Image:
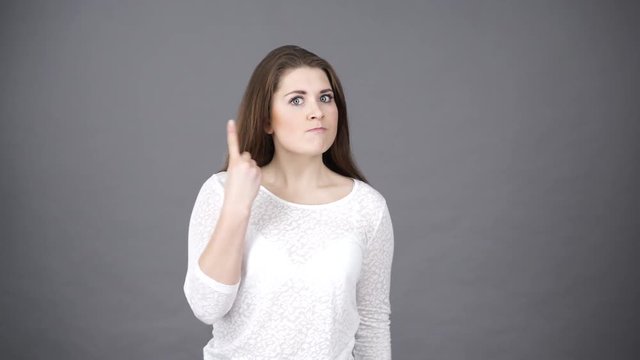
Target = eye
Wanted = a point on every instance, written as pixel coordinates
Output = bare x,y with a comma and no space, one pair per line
328,98
296,100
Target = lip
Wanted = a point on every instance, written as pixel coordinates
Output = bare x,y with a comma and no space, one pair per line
318,129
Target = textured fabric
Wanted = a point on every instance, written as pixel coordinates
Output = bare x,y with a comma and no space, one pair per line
315,278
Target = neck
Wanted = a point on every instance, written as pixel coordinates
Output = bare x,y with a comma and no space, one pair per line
296,172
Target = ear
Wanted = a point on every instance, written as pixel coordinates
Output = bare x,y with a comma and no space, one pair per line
268,129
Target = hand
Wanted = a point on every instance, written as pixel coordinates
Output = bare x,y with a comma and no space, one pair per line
243,174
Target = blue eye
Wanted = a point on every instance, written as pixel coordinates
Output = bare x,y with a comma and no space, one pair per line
292,101
329,98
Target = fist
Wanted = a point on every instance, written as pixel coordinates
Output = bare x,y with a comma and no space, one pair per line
243,174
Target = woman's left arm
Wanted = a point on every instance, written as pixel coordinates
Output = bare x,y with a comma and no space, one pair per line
373,338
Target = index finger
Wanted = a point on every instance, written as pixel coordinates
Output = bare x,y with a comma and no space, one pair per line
232,139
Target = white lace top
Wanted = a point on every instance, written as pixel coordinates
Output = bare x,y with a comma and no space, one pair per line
314,283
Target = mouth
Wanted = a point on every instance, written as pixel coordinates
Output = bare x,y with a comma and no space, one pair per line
318,129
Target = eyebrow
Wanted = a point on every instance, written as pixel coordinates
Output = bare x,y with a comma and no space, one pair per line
305,93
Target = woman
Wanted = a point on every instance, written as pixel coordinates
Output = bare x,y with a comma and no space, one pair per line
290,249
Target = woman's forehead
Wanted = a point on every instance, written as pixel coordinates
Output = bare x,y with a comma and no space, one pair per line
304,78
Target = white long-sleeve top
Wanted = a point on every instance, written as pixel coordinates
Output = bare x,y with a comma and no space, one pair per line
315,278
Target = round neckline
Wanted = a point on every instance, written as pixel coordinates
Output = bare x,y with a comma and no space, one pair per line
313,206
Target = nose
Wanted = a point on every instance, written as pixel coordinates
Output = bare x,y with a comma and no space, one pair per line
315,112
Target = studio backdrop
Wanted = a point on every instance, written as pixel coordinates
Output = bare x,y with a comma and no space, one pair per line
503,134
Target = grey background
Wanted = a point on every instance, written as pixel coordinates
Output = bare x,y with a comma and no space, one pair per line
503,134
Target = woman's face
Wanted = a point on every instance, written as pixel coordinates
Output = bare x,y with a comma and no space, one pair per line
303,101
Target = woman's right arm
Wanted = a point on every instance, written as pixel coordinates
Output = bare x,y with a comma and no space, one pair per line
215,246
217,230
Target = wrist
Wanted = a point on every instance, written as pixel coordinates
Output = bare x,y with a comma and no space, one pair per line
236,209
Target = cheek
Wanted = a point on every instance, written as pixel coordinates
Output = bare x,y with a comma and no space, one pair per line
284,125
332,115
280,119
330,112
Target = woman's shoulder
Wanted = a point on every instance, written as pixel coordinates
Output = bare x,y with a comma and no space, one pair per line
369,194
215,181
372,207
219,176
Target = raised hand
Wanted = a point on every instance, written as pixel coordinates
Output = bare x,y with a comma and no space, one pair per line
243,174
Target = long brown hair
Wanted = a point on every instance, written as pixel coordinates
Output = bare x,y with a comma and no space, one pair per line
254,113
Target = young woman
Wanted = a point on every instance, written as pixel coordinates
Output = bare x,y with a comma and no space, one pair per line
290,249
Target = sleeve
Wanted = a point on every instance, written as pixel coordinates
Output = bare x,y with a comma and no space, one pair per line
209,299
373,337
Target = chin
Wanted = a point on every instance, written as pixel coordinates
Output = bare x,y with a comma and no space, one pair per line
316,150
